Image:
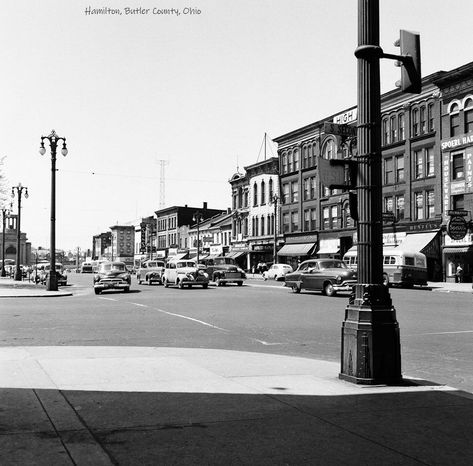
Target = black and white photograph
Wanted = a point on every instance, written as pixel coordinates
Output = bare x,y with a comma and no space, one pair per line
236,232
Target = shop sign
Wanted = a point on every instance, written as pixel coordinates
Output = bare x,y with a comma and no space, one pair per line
469,169
457,228
457,187
446,183
466,241
457,142
393,239
216,249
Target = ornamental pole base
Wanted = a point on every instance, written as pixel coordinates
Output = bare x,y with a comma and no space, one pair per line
51,283
371,348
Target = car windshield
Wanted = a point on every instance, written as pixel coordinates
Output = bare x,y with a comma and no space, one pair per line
181,265
333,264
117,267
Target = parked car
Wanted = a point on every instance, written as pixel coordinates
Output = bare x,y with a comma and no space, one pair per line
42,274
326,275
223,270
277,272
150,271
112,276
185,273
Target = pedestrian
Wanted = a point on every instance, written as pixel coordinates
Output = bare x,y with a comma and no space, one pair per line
459,274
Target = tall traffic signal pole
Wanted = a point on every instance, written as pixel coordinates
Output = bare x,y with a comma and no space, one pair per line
371,350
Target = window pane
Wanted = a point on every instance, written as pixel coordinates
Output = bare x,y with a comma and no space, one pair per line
457,167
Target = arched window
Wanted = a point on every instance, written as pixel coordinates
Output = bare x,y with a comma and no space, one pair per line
10,250
284,163
423,122
385,132
468,109
454,120
430,117
393,128
296,159
271,189
263,193
240,197
255,194
289,162
415,122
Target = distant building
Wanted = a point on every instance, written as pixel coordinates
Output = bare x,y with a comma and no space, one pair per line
10,236
123,239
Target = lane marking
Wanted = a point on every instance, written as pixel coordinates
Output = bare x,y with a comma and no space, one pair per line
266,343
440,333
107,299
138,304
192,319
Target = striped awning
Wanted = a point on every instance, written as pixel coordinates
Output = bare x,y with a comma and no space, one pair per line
302,249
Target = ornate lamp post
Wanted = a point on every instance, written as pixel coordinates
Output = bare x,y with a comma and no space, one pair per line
19,190
274,199
53,138
5,214
198,218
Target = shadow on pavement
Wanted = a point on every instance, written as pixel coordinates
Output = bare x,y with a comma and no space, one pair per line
80,427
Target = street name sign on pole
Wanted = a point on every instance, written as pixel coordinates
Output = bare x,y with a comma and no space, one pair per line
339,130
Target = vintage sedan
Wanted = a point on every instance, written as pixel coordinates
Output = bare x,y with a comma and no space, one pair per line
112,276
42,274
185,273
326,275
277,272
150,271
223,270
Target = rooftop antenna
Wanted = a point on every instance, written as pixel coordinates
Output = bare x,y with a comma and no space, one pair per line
162,183
263,143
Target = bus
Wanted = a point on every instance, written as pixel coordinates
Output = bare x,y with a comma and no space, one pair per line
86,267
400,267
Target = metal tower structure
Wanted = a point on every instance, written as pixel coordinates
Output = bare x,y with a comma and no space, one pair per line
162,182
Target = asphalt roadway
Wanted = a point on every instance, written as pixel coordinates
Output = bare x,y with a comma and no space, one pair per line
197,406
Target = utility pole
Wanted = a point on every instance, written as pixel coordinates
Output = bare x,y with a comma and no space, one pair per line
371,351
162,183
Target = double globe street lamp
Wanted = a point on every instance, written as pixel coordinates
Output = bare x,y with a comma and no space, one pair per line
19,191
53,138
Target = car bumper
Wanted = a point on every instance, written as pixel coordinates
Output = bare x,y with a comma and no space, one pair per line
344,286
111,285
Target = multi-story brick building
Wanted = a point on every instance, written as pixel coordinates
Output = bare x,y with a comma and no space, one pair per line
427,170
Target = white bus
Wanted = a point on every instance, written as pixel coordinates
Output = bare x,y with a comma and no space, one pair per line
401,268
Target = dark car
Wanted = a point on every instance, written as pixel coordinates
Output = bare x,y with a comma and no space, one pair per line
151,271
43,274
223,270
326,275
112,276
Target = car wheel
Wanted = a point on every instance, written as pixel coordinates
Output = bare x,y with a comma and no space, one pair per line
329,290
165,283
296,288
97,291
139,280
205,286
240,283
385,280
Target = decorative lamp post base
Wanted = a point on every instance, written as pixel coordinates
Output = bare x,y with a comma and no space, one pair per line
371,348
51,283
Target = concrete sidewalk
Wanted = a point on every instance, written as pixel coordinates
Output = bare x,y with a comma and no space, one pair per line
10,288
188,406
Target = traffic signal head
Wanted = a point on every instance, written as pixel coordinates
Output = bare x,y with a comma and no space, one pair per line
411,78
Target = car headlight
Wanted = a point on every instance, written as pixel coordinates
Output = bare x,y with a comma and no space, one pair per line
339,280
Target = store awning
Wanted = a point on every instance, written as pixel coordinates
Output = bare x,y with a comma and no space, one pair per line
329,246
177,257
302,249
236,254
417,242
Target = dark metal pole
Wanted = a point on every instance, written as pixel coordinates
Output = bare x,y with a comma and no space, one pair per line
198,240
370,333
4,221
18,274
51,284
275,247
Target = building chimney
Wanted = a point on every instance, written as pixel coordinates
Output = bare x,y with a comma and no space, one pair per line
205,206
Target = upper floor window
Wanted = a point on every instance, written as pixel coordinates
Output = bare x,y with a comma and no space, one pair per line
330,149
399,207
263,193
429,161
294,191
294,221
389,171
296,160
284,163
454,120
423,121
430,117
401,124
289,162
393,128
458,171
415,122
285,193
458,202
468,109
271,189
386,135
255,194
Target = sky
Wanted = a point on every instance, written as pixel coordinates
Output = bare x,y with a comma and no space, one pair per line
198,91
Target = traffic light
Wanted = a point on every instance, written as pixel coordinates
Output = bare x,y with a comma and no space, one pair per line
353,203
411,78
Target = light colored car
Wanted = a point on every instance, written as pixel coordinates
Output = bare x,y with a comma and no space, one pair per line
43,274
150,271
277,272
112,276
185,273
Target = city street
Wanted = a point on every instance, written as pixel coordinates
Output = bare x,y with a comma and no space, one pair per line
436,327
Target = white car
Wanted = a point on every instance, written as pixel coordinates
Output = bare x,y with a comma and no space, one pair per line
185,273
277,272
